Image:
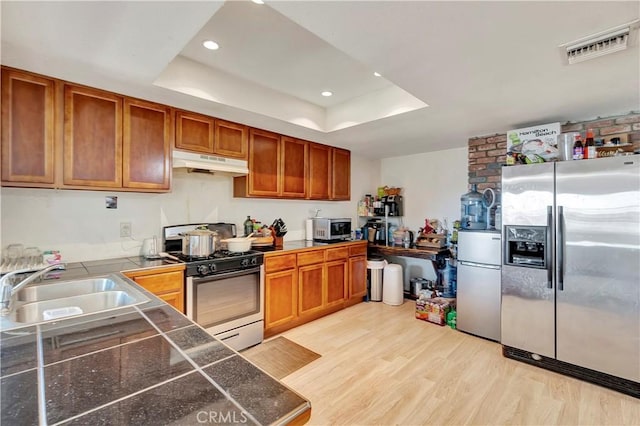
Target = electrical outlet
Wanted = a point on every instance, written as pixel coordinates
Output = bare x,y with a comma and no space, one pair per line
125,229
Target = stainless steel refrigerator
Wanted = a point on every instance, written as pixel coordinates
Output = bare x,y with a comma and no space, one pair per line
571,268
478,281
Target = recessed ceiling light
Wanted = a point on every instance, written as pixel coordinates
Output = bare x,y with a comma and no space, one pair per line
258,1
211,45
326,93
377,74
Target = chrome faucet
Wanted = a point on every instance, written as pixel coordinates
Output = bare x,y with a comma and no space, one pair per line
8,290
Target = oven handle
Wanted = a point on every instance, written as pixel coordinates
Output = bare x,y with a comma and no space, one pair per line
225,275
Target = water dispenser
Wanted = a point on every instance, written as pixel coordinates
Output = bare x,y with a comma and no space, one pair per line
473,213
526,246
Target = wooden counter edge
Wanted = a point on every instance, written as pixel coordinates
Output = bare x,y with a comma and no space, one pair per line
150,270
301,418
321,247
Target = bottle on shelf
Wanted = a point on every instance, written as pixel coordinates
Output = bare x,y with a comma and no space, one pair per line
578,148
248,226
589,146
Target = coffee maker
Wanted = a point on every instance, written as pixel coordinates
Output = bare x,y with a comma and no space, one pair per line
393,204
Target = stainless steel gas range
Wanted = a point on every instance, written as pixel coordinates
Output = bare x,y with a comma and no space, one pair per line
225,291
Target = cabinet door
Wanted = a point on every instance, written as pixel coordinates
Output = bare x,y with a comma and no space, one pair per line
294,161
319,171
341,174
194,132
231,139
147,139
27,128
357,277
92,137
175,299
311,289
167,285
281,293
264,164
336,282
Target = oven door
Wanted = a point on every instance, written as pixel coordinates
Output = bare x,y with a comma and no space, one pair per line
226,301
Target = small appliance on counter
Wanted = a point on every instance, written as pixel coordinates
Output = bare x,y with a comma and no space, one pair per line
393,204
331,229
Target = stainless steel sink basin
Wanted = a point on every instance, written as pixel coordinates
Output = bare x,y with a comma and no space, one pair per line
51,302
65,289
76,305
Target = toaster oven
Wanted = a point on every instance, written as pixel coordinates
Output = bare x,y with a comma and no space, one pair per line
331,229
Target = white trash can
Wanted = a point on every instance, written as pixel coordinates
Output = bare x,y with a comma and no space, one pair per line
393,290
375,268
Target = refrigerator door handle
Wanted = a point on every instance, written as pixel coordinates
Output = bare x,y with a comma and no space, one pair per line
560,238
548,248
479,265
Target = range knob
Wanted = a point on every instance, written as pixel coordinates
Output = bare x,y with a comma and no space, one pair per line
244,262
212,267
202,269
254,261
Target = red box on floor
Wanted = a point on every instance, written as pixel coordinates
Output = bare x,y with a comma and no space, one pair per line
434,310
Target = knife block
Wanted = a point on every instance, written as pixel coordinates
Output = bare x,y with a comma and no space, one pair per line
277,241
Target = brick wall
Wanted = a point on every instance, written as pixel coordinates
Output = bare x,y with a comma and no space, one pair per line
487,153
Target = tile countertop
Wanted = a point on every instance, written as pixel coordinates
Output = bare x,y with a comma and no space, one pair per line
145,364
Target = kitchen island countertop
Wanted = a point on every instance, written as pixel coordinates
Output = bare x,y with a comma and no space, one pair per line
145,364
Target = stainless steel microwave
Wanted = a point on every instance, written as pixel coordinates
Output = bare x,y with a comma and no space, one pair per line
329,229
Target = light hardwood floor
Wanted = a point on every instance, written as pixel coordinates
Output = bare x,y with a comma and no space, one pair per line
382,366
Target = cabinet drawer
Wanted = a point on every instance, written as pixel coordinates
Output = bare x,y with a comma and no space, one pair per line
340,253
161,283
357,250
279,263
311,257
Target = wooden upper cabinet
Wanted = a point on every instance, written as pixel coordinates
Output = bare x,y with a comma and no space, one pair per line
341,174
294,159
194,132
27,128
264,164
147,139
231,139
319,171
92,137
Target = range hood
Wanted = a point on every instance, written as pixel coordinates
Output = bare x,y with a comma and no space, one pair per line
209,164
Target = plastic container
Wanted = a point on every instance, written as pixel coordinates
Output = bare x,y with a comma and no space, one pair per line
447,277
473,213
393,288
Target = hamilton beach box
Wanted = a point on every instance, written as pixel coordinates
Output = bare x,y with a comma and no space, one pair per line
537,144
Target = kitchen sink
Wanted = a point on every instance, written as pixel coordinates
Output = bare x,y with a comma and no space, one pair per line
51,302
75,305
65,289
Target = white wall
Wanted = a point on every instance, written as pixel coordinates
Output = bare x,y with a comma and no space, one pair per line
79,225
432,184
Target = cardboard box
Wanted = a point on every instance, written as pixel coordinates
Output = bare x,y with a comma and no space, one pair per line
537,144
434,310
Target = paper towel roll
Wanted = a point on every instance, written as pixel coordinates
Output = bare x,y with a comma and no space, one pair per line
309,229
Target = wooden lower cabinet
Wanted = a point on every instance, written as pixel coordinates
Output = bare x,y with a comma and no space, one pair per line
311,292
336,283
357,278
167,283
312,283
281,294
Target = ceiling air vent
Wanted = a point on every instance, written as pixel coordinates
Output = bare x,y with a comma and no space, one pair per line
599,44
